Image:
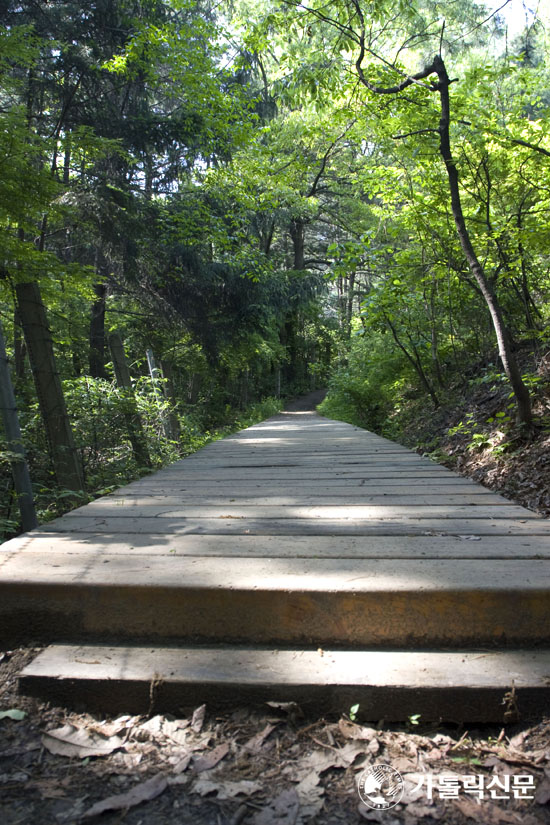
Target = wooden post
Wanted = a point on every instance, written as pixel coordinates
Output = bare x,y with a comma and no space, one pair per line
133,421
49,391
19,466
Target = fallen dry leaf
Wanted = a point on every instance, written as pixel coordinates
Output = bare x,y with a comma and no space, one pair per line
181,763
352,731
310,796
518,740
542,794
135,796
107,729
14,714
492,814
254,745
211,759
152,726
18,776
197,720
419,810
384,817
320,761
287,707
79,742
225,789
49,788
283,810
176,730
404,765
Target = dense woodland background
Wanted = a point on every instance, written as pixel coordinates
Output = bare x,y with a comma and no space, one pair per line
208,206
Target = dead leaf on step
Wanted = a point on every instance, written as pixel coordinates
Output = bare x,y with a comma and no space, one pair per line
197,720
283,810
255,744
211,759
225,789
135,796
79,742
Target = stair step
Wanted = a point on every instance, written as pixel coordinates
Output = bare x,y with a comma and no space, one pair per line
304,601
459,686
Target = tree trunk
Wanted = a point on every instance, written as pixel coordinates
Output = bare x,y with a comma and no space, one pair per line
39,343
349,308
19,467
97,333
297,233
416,363
133,421
509,363
437,66
194,388
18,348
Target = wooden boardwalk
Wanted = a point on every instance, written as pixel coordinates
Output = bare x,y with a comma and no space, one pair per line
301,558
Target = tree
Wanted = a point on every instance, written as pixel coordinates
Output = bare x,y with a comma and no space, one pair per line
349,19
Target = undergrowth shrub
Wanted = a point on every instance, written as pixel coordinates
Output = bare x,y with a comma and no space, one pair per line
369,389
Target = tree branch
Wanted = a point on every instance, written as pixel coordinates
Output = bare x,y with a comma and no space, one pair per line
417,132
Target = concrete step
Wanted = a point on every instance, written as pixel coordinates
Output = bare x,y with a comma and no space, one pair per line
459,686
356,602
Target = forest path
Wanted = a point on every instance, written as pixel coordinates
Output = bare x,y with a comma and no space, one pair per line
300,558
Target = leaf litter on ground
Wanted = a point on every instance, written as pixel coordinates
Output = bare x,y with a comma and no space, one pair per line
256,769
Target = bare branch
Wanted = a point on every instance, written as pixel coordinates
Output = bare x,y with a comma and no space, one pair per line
324,161
417,132
533,146
347,30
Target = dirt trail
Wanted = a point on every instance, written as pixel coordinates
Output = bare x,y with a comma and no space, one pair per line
306,403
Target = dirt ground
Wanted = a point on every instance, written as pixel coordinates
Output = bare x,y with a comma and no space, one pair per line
256,767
